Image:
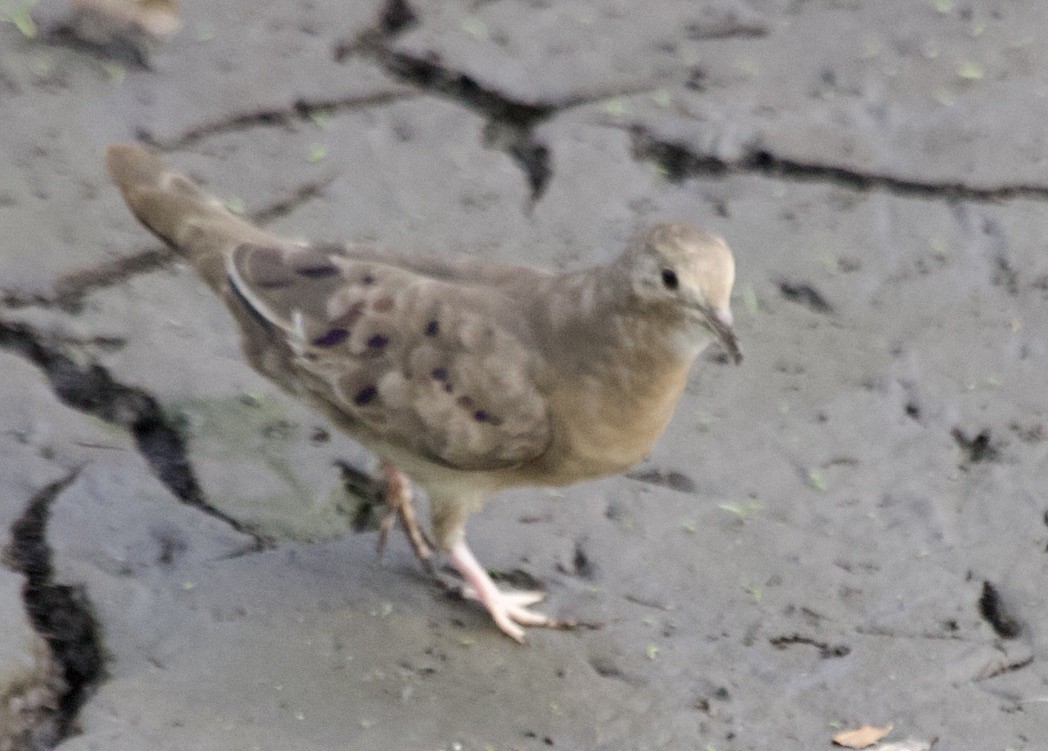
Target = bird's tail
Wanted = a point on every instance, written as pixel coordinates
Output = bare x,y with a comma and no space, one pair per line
171,206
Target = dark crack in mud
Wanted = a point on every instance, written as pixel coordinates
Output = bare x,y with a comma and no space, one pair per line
679,162
510,123
89,388
73,287
1003,667
804,294
994,612
826,650
668,478
371,491
302,195
978,448
70,289
299,111
62,615
397,16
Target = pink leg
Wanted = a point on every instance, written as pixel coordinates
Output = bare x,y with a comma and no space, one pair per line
398,504
507,608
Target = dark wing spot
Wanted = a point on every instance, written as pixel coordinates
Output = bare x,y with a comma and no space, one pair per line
378,341
368,279
317,271
365,396
481,416
465,401
432,328
331,338
441,374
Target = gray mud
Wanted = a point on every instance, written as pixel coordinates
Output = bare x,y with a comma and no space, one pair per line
851,527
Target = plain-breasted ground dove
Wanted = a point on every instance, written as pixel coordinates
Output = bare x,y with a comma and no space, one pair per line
466,376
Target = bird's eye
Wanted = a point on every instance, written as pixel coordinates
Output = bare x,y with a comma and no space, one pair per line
669,278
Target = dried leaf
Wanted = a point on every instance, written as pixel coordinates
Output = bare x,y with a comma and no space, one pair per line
321,115
739,509
862,737
909,744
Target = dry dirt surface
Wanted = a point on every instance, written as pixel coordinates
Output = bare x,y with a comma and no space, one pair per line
850,528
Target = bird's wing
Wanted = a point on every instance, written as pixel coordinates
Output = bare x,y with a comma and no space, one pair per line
509,278
418,362
421,353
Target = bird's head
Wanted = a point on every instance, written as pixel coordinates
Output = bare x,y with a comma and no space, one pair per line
686,274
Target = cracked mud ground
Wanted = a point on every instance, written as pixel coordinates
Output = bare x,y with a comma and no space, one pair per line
852,527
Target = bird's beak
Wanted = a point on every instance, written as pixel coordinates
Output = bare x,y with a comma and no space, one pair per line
720,321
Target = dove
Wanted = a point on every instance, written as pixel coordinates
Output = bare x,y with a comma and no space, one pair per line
465,376
129,31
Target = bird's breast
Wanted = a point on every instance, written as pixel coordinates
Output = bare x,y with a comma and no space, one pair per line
608,421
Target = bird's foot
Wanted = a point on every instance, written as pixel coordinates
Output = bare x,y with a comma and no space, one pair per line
509,610
399,505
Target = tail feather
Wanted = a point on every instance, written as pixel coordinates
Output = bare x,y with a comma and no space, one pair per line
171,206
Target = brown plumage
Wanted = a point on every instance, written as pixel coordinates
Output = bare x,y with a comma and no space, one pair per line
160,19
468,376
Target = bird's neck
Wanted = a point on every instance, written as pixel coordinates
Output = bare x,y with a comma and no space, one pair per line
591,294
599,308
620,372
